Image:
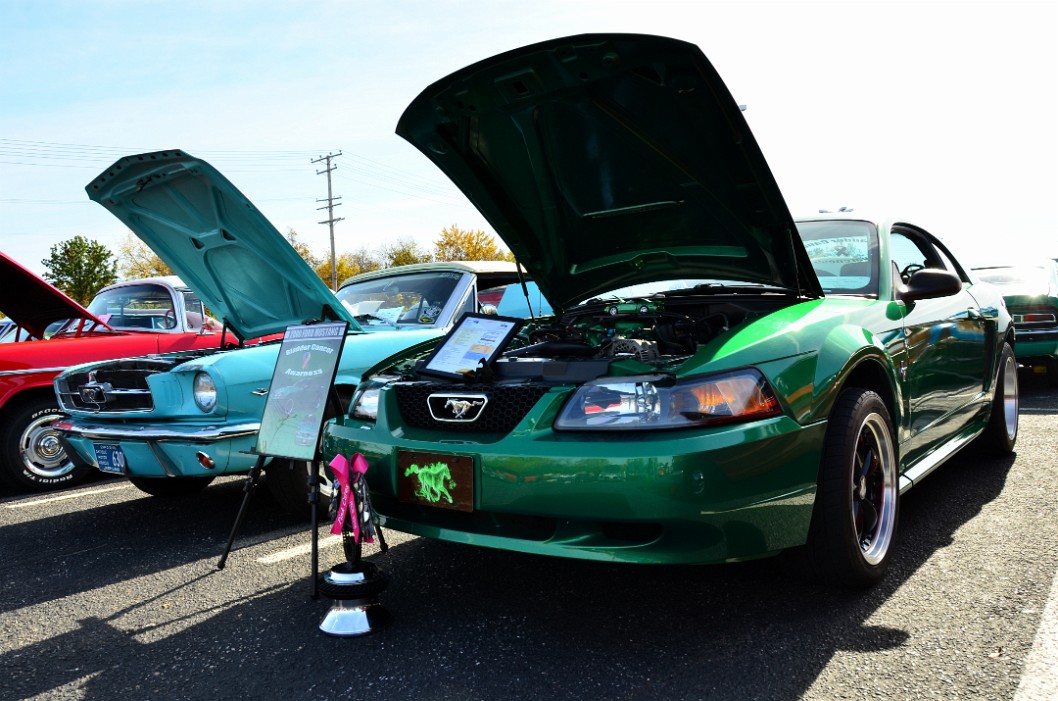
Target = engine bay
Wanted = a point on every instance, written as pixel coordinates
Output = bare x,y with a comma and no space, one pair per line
581,344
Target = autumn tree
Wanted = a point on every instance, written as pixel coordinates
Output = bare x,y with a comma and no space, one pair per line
304,251
457,244
349,264
80,268
403,251
136,260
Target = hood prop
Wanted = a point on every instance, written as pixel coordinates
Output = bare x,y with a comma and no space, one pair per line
525,290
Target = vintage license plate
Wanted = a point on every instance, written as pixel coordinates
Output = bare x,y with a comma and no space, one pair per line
110,458
434,479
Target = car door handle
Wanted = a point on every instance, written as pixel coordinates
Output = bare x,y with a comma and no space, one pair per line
975,313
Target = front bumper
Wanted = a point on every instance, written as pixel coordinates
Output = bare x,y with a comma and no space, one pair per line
714,495
151,451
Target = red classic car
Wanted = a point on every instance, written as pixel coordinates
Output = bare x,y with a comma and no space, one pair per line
53,332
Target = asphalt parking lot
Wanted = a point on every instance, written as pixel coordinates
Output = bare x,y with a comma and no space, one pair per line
108,593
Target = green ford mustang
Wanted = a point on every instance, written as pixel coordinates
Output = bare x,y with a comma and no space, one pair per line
718,381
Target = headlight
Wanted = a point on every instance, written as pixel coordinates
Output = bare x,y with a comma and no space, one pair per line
365,401
205,392
660,402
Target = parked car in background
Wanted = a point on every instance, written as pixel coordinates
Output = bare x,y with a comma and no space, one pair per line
172,423
719,382
1031,293
52,332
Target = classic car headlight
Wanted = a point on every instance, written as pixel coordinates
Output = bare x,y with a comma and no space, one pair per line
205,392
365,401
658,402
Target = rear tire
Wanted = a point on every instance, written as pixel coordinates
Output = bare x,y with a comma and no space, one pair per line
854,520
1001,433
32,456
167,487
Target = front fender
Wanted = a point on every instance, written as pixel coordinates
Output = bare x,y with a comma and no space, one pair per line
854,354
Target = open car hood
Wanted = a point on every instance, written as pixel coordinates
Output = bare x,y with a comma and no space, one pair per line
216,241
33,303
609,160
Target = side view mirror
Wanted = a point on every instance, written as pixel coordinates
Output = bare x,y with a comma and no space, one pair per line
930,283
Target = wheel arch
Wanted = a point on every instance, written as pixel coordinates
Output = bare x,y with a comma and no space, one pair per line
873,374
26,395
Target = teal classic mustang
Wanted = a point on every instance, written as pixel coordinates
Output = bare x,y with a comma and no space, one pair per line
173,422
718,381
1031,293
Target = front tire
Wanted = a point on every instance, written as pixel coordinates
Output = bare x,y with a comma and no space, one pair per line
854,521
168,487
288,483
32,452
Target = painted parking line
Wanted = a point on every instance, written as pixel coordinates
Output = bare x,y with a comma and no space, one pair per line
1039,681
298,550
64,497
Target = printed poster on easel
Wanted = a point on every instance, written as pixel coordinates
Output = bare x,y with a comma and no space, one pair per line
297,398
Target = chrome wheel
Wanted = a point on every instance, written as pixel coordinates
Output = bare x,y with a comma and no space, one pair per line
1001,432
874,489
41,449
1010,396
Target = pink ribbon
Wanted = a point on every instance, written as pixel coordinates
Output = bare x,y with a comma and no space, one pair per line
347,480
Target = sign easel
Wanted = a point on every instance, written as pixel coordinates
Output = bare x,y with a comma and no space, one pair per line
302,384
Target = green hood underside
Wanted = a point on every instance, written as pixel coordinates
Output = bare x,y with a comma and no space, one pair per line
610,160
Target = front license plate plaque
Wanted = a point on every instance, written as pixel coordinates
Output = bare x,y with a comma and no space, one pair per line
110,458
433,479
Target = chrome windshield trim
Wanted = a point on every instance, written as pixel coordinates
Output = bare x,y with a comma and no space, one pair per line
147,434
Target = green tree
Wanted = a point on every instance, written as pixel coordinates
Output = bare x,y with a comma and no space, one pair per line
80,268
457,244
136,260
403,251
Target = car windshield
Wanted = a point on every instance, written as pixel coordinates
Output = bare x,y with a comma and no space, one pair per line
844,255
136,307
1022,277
411,299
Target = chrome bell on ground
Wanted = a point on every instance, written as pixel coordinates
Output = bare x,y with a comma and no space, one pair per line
356,610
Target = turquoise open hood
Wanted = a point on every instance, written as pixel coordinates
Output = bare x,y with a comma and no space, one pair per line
216,241
610,160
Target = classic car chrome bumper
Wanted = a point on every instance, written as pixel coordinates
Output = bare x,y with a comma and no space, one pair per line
127,432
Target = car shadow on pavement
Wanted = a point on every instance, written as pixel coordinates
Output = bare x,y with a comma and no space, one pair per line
124,540
468,622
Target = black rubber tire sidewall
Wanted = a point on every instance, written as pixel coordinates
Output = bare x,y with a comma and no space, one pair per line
833,551
287,482
12,471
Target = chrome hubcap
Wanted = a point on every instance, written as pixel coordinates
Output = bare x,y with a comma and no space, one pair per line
41,450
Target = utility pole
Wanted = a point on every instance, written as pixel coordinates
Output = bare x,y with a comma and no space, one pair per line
331,204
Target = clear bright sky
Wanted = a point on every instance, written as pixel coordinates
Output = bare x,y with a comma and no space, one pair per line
943,113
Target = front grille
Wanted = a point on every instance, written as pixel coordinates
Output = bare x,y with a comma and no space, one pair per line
506,406
116,387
